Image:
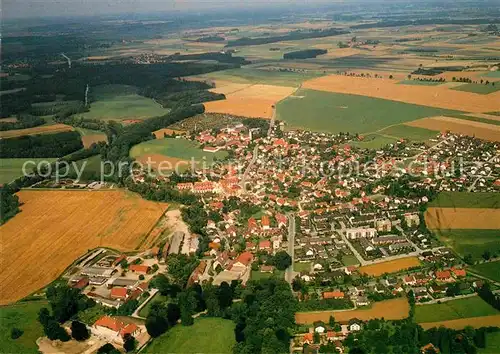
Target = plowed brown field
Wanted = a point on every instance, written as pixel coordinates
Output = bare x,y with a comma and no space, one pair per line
88,140
433,96
462,218
460,126
45,129
54,228
254,101
390,266
394,309
165,163
477,322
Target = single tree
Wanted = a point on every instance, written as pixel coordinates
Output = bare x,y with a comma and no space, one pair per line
282,260
79,331
129,343
16,333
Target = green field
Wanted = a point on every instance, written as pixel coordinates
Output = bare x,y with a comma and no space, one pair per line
349,260
374,141
302,267
454,309
84,132
477,88
493,74
259,76
257,274
473,242
408,132
179,148
120,102
420,82
91,168
144,312
207,335
22,315
11,169
466,200
492,344
490,270
336,112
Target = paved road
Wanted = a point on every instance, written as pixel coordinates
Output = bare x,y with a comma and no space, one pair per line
291,244
137,310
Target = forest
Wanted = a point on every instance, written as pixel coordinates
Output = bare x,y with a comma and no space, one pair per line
304,54
292,36
43,145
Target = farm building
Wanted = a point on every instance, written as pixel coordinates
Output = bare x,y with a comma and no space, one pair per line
112,329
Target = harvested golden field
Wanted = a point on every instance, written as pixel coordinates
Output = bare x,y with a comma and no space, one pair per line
460,126
477,322
390,266
484,116
54,228
90,139
254,101
394,309
462,218
228,87
44,129
8,120
433,96
160,133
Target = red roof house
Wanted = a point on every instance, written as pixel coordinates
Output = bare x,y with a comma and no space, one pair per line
139,268
119,293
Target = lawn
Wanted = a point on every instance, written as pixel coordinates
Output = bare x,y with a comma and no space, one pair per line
454,309
349,260
11,169
207,335
473,242
144,312
492,344
420,82
477,88
259,76
466,200
257,274
408,132
179,148
120,102
490,270
337,112
302,267
22,315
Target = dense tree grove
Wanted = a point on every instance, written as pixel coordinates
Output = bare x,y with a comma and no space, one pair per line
304,54
487,295
9,203
44,145
79,331
23,121
292,36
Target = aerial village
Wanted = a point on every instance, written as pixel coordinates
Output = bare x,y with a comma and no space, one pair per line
285,192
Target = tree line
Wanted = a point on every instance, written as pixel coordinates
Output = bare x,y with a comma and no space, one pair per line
304,54
23,121
292,36
42,145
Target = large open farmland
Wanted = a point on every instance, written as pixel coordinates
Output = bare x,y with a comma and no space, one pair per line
394,309
462,218
10,169
338,112
466,200
454,309
43,129
255,101
121,102
471,241
390,266
464,126
434,96
173,151
56,227
461,323
207,335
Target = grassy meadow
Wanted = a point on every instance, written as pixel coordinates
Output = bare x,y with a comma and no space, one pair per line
481,89
22,315
207,335
10,169
474,242
454,309
121,102
490,270
336,112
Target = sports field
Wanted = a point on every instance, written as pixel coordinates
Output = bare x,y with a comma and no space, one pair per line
121,102
56,227
22,315
206,335
490,270
390,266
466,200
394,309
454,309
173,150
10,169
338,112
473,242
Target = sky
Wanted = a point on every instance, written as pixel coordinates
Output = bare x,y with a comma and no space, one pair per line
44,8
